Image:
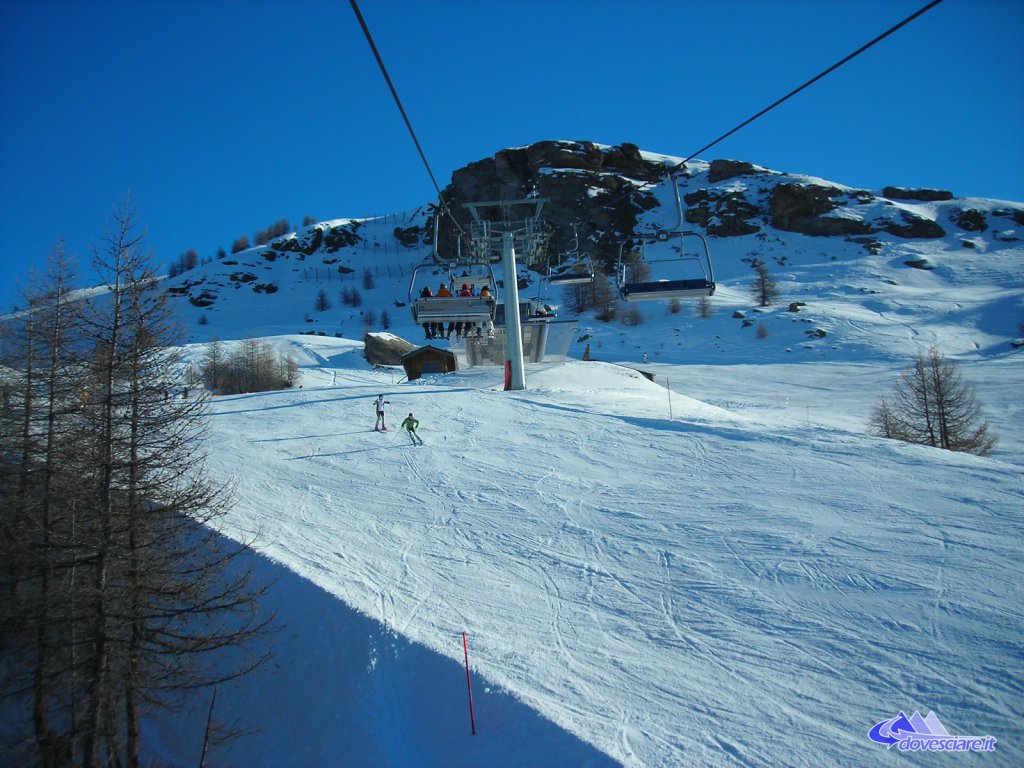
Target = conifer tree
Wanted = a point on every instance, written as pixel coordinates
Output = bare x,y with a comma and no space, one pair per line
322,303
122,594
606,299
931,405
763,287
40,403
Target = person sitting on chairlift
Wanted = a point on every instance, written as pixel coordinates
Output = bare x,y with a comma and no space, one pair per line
462,329
485,293
443,292
428,328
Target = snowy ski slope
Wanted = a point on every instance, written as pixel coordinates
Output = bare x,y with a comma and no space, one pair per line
745,583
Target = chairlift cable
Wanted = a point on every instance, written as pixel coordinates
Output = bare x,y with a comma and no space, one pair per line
794,92
398,102
810,82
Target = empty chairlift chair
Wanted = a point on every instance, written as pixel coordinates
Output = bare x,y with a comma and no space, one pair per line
572,268
676,273
689,274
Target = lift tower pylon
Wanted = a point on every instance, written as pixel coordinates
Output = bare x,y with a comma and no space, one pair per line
517,233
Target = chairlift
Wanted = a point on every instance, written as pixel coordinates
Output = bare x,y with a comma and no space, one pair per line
459,270
697,275
454,308
692,274
572,268
446,260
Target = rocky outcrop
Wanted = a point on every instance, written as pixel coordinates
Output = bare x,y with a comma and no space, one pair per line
723,213
800,208
721,170
603,190
340,237
306,244
924,195
806,208
970,220
407,236
597,188
912,225
1014,214
319,237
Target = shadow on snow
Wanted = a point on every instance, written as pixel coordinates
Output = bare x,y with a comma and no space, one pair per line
343,689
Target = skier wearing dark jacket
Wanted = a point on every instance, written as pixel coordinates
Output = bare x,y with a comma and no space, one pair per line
410,424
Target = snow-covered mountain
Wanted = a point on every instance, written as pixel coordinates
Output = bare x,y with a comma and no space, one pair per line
716,567
871,287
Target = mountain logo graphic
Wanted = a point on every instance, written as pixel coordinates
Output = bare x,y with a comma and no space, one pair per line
925,734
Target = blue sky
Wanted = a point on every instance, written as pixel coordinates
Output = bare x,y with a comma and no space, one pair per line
220,118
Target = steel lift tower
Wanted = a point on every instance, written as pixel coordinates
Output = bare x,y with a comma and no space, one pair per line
518,233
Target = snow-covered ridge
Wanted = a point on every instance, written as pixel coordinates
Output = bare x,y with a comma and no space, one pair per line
852,287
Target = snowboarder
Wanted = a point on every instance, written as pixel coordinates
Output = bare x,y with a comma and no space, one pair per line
380,426
411,424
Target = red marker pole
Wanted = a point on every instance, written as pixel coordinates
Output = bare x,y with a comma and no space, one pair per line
469,686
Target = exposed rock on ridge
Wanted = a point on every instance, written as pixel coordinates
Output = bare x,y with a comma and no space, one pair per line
586,184
604,191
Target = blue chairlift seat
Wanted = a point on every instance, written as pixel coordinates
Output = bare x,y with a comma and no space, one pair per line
667,289
453,309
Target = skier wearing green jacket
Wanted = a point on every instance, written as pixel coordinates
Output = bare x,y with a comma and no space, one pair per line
410,424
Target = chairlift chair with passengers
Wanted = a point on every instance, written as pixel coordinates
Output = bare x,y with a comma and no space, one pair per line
690,273
459,271
454,308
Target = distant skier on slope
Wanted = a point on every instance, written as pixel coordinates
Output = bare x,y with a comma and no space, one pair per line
410,424
380,426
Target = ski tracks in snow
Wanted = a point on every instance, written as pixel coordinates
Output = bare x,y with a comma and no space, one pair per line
653,586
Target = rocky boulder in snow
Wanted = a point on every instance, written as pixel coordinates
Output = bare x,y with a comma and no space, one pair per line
970,220
386,348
